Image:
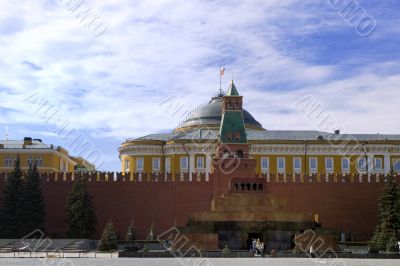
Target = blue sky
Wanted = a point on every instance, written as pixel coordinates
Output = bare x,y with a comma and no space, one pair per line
109,86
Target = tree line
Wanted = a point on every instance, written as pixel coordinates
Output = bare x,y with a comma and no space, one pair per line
23,210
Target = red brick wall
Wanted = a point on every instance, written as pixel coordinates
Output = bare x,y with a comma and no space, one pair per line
122,201
347,206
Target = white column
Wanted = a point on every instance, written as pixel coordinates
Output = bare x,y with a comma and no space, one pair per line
386,163
208,166
191,166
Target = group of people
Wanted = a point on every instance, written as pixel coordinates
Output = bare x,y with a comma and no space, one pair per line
257,247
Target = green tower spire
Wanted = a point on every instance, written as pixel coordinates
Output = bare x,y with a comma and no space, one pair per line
232,130
232,91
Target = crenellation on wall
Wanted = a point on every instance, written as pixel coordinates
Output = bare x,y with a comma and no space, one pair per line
142,177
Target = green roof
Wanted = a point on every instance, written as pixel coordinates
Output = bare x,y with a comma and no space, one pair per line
232,128
232,91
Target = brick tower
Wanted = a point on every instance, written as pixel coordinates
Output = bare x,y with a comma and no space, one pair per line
232,161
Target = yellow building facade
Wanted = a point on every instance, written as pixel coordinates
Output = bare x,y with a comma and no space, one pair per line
47,157
191,147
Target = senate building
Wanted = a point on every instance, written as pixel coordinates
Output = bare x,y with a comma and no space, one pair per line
191,147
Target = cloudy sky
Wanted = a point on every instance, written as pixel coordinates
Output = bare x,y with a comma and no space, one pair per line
115,69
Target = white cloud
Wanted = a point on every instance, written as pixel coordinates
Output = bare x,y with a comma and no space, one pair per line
113,84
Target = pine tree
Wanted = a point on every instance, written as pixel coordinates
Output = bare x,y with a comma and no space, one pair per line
108,241
12,216
33,202
81,216
130,234
387,230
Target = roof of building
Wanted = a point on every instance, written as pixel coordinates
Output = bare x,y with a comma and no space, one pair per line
300,135
19,144
204,122
210,115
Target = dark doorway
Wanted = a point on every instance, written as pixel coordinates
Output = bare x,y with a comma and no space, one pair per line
250,238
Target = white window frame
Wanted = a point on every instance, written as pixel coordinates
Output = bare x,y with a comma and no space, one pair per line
330,169
363,168
281,169
167,164
8,161
127,165
139,169
296,169
200,159
397,161
347,169
266,159
181,160
311,169
62,165
153,164
376,159
30,161
39,161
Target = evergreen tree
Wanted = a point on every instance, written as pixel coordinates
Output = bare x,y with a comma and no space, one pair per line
34,206
387,230
81,216
12,214
130,234
108,241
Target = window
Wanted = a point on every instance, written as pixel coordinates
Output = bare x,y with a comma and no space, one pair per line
396,166
329,164
63,165
200,162
139,164
30,161
378,163
281,164
167,164
184,163
313,164
296,164
126,165
264,163
8,161
156,164
361,164
39,161
345,164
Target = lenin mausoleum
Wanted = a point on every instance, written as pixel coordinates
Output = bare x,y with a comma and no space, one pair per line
221,179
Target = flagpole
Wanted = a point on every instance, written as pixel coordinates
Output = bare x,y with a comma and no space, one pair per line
220,80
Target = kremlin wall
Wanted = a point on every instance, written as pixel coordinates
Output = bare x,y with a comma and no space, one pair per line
346,203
